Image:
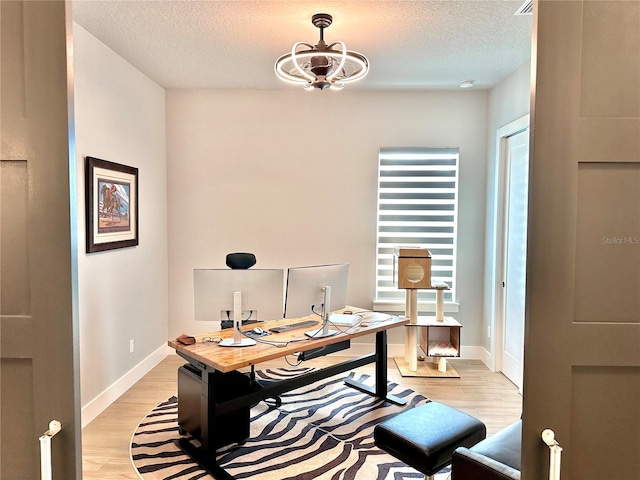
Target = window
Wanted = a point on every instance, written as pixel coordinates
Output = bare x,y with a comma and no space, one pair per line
417,207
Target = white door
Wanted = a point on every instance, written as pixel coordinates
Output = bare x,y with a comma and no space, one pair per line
515,261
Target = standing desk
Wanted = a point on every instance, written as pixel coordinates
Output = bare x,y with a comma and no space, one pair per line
211,360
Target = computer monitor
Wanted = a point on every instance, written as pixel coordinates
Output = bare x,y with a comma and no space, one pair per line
317,289
238,295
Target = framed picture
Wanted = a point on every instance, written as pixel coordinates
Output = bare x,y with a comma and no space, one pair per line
111,205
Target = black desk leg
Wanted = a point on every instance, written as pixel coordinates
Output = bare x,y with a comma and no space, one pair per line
380,390
204,457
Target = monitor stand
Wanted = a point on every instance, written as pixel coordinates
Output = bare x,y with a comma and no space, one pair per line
323,332
238,339
326,308
230,342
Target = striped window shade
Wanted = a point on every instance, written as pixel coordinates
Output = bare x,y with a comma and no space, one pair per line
417,207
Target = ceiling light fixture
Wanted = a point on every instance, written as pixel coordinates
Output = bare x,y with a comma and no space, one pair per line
467,83
321,66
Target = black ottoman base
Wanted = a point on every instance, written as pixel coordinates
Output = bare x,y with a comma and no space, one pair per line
426,436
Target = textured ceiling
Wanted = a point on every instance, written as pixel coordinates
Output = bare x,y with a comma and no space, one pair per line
431,44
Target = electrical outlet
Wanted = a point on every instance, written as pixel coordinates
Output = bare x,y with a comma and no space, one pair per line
131,346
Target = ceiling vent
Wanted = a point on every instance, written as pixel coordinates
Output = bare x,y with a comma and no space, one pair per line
526,8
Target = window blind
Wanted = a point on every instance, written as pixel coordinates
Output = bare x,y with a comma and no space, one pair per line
417,207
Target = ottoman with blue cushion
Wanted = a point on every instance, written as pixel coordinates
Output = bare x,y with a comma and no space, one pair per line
425,437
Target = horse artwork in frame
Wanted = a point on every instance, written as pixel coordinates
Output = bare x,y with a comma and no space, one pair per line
111,205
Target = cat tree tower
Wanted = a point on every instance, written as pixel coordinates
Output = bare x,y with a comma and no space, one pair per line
412,272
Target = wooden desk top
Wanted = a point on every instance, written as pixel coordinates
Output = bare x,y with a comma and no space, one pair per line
227,359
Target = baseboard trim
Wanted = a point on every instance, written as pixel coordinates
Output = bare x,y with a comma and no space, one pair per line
487,359
100,403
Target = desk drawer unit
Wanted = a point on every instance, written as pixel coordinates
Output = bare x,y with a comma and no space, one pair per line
230,428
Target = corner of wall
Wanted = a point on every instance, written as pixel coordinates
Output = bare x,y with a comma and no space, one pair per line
100,403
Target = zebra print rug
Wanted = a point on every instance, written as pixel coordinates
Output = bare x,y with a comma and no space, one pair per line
322,431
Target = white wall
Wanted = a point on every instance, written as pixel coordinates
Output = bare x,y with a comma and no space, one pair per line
508,101
292,177
120,117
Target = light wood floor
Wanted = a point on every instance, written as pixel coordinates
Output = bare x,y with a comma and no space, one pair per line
105,441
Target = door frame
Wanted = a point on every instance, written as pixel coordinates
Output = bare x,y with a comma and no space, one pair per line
496,318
